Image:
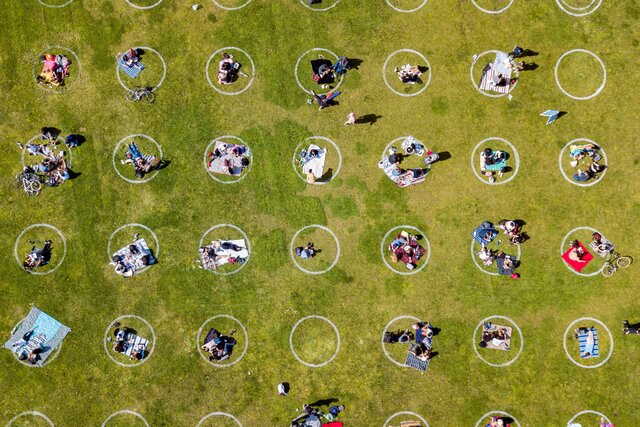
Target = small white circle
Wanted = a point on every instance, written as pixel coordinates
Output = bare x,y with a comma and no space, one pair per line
321,138
306,4
145,48
574,182
156,252
604,77
475,261
475,84
384,331
515,154
315,49
246,341
563,249
34,139
218,414
244,173
231,8
130,2
566,350
560,4
114,360
126,412
397,9
46,362
413,414
30,413
48,49
384,246
293,351
293,255
67,3
246,239
424,85
223,92
115,153
64,248
491,413
589,411
475,346
492,12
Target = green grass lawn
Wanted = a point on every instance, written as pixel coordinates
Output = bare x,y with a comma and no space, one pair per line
360,295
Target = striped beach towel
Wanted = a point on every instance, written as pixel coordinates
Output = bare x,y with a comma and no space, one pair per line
134,342
486,82
582,342
415,362
130,71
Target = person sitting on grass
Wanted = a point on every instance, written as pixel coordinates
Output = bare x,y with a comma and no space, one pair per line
630,329
142,164
409,74
325,101
587,174
588,349
132,59
576,253
37,257
306,252
486,255
219,346
228,70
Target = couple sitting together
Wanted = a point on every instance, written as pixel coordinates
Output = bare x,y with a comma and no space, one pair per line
228,70
219,346
142,164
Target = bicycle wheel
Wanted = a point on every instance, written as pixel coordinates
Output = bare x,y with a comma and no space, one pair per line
131,96
150,97
608,269
32,187
624,261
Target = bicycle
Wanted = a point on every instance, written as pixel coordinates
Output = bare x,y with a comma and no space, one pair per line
615,262
141,94
30,183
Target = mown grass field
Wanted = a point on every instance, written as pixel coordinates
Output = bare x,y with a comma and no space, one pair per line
176,387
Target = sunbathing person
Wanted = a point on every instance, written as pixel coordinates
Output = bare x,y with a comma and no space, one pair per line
219,346
38,257
54,69
579,152
486,255
588,349
409,74
142,164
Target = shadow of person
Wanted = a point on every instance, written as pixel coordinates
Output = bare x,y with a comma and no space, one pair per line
444,155
326,177
368,118
324,402
163,163
354,63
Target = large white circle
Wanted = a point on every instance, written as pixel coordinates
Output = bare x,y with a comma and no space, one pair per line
34,139
475,84
488,414
315,49
246,343
246,239
566,350
31,413
563,249
475,261
516,157
397,9
384,75
581,98
46,50
212,175
46,362
293,351
113,359
475,346
563,3
130,2
305,4
218,414
322,138
383,252
115,152
384,331
128,412
67,3
492,12
145,48
574,182
133,224
588,411
566,3
293,256
231,8
413,414
64,248
217,89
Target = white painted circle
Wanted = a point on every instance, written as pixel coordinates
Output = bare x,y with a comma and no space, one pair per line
397,9
145,48
475,261
30,413
305,4
566,3
492,12
127,412
246,342
475,346
38,63
218,414
475,84
133,224
46,362
217,89
321,138
588,411
36,138
574,182
212,175
293,351
563,249
383,248
64,248
415,52
231,8
293,255
115,153
577,363
384,331
516,157
604,77
113,359
492,413
562,4
67,3
316,49
130,3
413,414
246,239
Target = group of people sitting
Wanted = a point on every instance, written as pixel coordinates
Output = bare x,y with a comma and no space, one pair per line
486,233
52,167
423,332
493,161
390,164
324,73
495,336
406,249
131,59
142,163
497,421
133,257
127,342
228,159
55,68
37,257
578,254
312,417
221,252
409,74
586,158
312,160
306,252
218,346
29,347
228,70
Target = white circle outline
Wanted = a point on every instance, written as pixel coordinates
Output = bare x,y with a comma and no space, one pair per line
133,224
566,3
515,155
128,412
223,92
315,49
246,343
115,152
46,49
576,8
46,362
397,9
117,362
475,346
130,3
384,331
64,248
413,414
335,146
231,8
384,258
580,98
475,261
475,85
506,414
164,64
33,413
218,414
320,10
563,250
295,261
579,184
55,5
212,175
566,350
384,75
246,239
492,12
589,411
293,351
35,138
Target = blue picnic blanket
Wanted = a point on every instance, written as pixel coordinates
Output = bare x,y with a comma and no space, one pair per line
584,347
485,233
504,270
414,362
130,71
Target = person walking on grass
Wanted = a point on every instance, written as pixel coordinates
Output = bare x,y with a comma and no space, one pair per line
351,119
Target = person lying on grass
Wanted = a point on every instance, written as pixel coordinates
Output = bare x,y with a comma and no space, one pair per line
37,257
219,346
142,164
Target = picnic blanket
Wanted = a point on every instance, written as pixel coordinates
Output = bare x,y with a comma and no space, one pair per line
502,269
415,362
48,334
500,345
134,341
321,62
129,70
134,261
603,248
485,233
227,163
491,71
333,424
584,347
314,164
578,266
209,255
